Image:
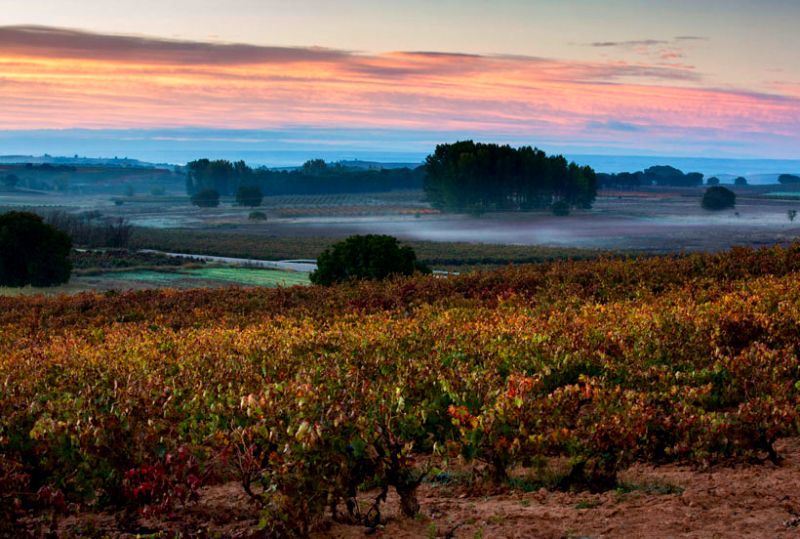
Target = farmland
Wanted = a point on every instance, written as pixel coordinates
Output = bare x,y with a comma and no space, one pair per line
653,220
308,406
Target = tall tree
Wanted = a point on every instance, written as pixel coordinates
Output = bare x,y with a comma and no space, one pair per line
476,177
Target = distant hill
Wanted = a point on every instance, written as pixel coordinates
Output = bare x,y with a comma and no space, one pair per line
81,176
375,165
81,161
757,171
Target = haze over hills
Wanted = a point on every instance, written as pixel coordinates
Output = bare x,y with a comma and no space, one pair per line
757,171
280,148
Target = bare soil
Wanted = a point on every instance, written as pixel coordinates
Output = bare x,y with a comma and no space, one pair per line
745,500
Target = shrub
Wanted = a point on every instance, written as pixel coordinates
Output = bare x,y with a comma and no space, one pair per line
208,198
560,208
257,216
32,252
712,181
740,181
718,198
249,196
373,257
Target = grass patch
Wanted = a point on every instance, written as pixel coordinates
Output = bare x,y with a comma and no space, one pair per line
588,504
241,276
783,194
250,276
649,487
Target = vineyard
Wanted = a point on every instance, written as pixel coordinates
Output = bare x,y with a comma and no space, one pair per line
310,398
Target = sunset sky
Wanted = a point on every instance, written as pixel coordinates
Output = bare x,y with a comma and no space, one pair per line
695,78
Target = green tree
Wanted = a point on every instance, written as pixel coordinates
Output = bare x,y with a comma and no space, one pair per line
476,177
221,176
207,198
668,175
741,181
373,257
32,252
718,198
712,181
315,167
250,196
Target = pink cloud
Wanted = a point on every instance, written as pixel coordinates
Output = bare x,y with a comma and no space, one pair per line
66,78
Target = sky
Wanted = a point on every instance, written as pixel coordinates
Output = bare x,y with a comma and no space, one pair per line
381,79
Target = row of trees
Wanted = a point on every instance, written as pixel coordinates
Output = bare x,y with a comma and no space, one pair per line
741,181
477,177
661,175
314,177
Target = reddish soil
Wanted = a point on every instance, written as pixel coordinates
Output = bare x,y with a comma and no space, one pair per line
759,500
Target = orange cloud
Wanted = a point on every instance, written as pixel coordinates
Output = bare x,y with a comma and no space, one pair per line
54,78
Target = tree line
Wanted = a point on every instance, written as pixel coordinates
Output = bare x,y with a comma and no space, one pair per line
661,175
314,177
477,177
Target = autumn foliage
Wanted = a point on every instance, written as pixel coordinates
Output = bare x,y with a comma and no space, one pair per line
306,395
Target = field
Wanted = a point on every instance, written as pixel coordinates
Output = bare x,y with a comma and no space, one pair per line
591,391
178,278
104,270
647,221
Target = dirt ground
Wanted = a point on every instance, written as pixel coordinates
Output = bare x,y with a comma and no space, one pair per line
754,500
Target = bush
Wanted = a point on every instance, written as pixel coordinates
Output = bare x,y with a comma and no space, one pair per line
32,252
560,208
740,181
257,216
249,196
718,198
788,179
712,181
373,257
208,198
